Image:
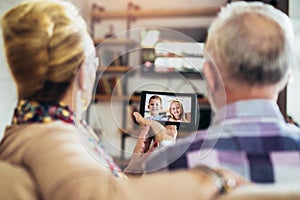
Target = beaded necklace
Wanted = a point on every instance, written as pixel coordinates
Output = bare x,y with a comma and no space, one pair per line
30,111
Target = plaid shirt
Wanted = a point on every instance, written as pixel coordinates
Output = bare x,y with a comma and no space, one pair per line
249,137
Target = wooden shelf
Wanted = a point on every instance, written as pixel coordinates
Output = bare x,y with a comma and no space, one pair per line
114,41
114,69
103,97
135,98
154,13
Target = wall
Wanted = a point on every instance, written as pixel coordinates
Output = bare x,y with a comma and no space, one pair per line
293,97
8,94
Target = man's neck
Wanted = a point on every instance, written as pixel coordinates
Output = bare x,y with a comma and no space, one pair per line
247,93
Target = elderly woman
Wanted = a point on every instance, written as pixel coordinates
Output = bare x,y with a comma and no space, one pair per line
52,59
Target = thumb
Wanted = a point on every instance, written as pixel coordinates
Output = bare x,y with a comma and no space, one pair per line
140,119
144,132
140,144
152,148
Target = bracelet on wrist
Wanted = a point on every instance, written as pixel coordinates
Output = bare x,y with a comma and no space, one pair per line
223,186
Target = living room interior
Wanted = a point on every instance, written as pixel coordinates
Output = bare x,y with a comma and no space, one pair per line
121,32
157,47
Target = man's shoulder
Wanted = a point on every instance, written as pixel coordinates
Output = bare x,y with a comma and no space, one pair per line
182,154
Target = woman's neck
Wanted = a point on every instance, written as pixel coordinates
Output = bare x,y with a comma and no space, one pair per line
72,99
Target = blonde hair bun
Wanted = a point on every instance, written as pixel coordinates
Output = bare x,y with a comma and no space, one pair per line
43,43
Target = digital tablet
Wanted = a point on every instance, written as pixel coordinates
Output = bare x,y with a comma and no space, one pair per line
170,108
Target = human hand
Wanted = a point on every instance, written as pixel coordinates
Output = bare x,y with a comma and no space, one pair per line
144,141
161,133
141,151
234,179
223,180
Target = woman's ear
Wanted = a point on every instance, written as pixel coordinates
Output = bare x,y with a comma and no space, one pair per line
81,77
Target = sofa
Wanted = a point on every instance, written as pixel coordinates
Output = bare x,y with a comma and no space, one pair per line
17,184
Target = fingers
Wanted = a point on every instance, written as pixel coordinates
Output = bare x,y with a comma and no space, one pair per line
148,143
168,132
140,119
144,132
172,127
172,132
142,144
157,127
152,148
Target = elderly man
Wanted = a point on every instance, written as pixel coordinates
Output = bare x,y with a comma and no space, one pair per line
248,58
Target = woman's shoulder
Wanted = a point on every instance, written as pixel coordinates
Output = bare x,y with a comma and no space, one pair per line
29,139
36,135
39,128
37,132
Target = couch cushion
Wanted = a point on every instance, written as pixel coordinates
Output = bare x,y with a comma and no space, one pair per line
16,183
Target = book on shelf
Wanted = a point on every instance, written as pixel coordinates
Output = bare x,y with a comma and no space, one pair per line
113,58
111,85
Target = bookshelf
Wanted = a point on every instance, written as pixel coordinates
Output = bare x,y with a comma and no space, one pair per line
168,57
98,14
110,84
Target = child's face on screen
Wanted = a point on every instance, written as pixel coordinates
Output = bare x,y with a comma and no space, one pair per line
154,107
175,110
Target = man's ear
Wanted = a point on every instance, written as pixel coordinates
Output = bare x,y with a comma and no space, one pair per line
210,76
81,77
283,83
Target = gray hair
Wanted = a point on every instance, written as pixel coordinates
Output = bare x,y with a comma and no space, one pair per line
248,52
